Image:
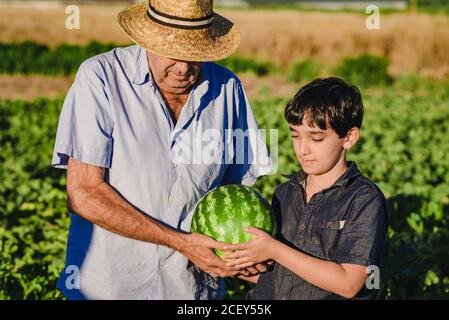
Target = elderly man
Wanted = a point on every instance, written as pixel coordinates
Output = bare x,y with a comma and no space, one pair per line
127,126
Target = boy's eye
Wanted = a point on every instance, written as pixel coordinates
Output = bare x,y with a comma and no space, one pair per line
317,140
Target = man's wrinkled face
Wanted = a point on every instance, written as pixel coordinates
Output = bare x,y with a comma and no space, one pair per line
173,76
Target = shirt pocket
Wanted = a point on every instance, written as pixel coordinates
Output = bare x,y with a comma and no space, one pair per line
324,236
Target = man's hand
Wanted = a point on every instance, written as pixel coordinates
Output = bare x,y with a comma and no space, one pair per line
198,249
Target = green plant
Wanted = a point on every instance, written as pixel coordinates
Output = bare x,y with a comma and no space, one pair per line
248,65
365,70
305,70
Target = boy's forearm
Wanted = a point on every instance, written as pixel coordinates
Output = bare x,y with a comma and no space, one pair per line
327,275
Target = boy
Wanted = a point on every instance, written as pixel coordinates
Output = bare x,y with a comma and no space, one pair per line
333,220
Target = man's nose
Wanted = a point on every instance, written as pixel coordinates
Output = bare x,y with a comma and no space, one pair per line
183,67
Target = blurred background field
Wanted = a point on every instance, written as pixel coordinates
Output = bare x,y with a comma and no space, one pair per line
402,70
412,41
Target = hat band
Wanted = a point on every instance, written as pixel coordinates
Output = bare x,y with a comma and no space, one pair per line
179,22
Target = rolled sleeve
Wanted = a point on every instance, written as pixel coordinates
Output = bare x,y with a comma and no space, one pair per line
85,123
251,158
364,232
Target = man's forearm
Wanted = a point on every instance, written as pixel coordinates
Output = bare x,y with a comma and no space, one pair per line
102,206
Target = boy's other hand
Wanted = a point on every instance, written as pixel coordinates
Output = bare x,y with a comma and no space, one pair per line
257,268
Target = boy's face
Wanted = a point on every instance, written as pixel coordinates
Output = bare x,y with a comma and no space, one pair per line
317,150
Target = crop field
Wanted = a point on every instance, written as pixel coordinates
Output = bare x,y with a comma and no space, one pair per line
413,42
402,71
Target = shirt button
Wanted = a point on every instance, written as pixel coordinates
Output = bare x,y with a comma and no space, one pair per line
173,165
161,264
329,225
302,227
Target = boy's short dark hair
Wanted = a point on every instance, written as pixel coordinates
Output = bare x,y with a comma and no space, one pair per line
327,101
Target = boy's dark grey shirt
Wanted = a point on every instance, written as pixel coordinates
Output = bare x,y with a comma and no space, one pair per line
345,223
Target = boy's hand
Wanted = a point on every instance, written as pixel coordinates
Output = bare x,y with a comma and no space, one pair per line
257,268
247,254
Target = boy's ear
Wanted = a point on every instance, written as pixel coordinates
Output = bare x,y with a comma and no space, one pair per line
351,138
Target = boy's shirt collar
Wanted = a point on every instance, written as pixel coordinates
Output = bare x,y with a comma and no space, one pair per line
351,173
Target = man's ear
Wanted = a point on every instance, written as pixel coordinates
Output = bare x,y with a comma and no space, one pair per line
351,138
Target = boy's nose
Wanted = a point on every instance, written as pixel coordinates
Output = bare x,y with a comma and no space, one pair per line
304,148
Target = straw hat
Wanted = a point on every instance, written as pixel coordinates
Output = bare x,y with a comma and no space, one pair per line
186,30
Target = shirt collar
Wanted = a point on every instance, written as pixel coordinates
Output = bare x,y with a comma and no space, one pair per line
352,172
142,73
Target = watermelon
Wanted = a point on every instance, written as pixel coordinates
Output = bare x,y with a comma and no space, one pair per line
223,214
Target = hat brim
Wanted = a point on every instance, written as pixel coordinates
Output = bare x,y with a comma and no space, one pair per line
216,42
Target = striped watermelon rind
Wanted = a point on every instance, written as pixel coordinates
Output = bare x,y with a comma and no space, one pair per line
223,214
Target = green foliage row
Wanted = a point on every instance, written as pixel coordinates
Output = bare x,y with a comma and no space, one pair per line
248,65
403,149
32,58
364,70
426,6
